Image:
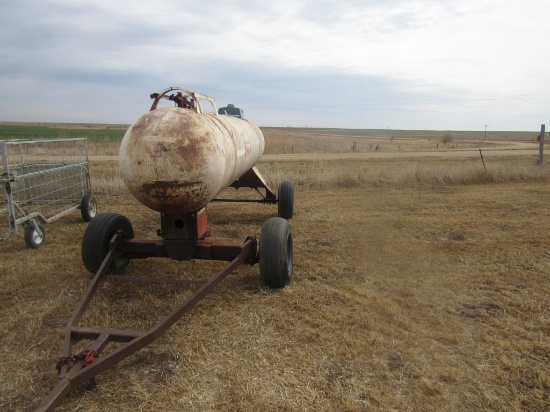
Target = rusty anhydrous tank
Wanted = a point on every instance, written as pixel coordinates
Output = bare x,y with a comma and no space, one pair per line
176,160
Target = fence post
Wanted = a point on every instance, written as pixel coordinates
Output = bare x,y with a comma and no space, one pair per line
541,145
482,161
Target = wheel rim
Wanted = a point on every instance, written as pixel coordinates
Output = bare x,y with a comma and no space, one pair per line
92,208
37,238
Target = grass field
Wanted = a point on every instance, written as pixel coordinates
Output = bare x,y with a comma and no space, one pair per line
289,136
420,283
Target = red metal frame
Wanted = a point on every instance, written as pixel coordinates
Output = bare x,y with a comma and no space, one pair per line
76,370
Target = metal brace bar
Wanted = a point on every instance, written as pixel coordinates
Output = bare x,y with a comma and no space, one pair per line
81,372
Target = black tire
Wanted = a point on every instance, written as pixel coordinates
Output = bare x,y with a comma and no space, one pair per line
34,235
88,207
96,239
276,252
286,199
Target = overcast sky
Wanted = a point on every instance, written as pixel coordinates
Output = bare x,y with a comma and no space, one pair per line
419,64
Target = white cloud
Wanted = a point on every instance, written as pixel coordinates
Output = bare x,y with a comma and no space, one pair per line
444,56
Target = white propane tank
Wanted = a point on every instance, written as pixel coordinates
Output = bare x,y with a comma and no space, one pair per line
176,160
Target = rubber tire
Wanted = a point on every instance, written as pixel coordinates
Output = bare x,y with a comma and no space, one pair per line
96,239
276,252
286,199
88,207
33,239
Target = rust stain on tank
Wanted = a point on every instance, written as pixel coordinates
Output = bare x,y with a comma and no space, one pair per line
174,195
162,185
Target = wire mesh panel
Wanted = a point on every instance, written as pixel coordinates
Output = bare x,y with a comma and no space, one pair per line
42,179
5,220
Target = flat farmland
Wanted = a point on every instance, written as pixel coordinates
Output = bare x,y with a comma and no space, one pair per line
420,283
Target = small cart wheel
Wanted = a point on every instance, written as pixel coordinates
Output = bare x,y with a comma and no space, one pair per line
88,207
276,252
34,235
96,240
286,199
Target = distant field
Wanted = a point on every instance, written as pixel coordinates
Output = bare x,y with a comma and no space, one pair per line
115,132
94,133
414,134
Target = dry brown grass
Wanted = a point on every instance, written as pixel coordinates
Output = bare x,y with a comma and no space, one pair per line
411,291
321,173
303,141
